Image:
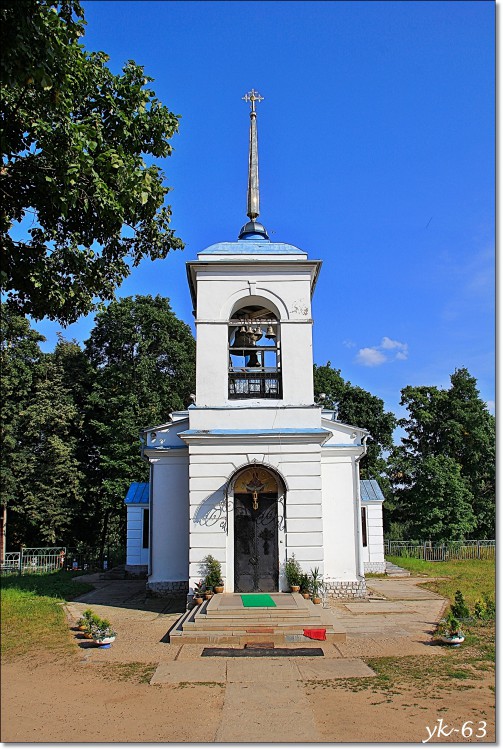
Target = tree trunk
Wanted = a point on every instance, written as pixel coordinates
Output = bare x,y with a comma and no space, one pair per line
104,533
3,533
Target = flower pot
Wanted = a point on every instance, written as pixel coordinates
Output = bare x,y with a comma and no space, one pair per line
316,600
219,589
198,599
295,589
89,635
306,594
82,627
105,642
452,640
208,595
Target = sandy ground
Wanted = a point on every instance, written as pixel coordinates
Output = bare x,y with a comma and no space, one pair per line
89,697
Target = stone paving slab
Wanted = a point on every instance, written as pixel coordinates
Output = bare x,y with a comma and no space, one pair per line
333,669
264,670
402,589
381,607
384,646
278,712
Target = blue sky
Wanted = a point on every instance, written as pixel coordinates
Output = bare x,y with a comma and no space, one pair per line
376,153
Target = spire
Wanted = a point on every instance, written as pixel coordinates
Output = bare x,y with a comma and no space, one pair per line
253,203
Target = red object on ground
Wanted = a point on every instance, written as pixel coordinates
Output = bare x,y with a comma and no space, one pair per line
317,634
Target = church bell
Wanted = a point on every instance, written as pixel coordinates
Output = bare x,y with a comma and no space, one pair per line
269,334
241,339
253,360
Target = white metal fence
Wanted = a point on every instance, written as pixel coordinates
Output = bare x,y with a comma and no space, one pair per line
34,560
468,549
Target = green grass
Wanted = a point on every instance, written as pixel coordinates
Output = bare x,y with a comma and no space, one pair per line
32,617
472,577
134,671
446,670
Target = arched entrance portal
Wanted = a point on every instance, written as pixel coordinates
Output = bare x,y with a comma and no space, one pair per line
256,559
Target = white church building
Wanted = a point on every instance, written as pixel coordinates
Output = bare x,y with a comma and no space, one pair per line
254,470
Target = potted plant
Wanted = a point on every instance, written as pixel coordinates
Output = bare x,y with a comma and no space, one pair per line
198,593
103,634
83,623
213,572
449,630
219,589
315,585
293,573
304,586
93,621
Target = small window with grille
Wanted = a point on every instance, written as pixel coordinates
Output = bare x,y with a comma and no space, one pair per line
254,354
364,526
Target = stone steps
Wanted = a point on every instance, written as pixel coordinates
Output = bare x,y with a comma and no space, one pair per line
221,620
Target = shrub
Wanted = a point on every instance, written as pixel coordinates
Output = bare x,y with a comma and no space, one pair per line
293,571
212,572
459,609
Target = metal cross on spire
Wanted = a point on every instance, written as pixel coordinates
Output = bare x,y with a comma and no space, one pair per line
252,97
253,201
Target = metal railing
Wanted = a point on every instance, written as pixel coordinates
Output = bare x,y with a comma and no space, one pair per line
254,384
468,549
34,560
49,559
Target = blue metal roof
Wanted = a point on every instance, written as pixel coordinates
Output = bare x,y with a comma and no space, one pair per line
252,247
370,490
138,492
276,431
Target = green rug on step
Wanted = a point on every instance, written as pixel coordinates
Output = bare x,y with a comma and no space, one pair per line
257,600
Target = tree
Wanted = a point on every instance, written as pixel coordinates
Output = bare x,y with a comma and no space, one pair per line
20,363
74,137
358,407
453,424
48,492
144,364
437,503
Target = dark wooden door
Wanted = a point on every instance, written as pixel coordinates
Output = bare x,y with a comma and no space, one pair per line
256,560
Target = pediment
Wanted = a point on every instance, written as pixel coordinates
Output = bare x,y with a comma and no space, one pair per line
342,433
166,435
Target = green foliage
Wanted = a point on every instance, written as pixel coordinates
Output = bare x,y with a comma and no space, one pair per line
74,138
304,583
293,571
212,571
459,609
485,608
443,473
20,363
72,419
143,364
356,406
450,626
315,581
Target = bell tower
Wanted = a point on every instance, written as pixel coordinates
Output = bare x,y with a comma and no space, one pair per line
254,472
252,302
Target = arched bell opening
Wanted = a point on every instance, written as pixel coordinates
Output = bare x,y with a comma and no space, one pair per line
258,517
254,353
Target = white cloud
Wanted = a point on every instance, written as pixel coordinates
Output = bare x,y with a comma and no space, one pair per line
349,344
403,349
370,357
387,343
